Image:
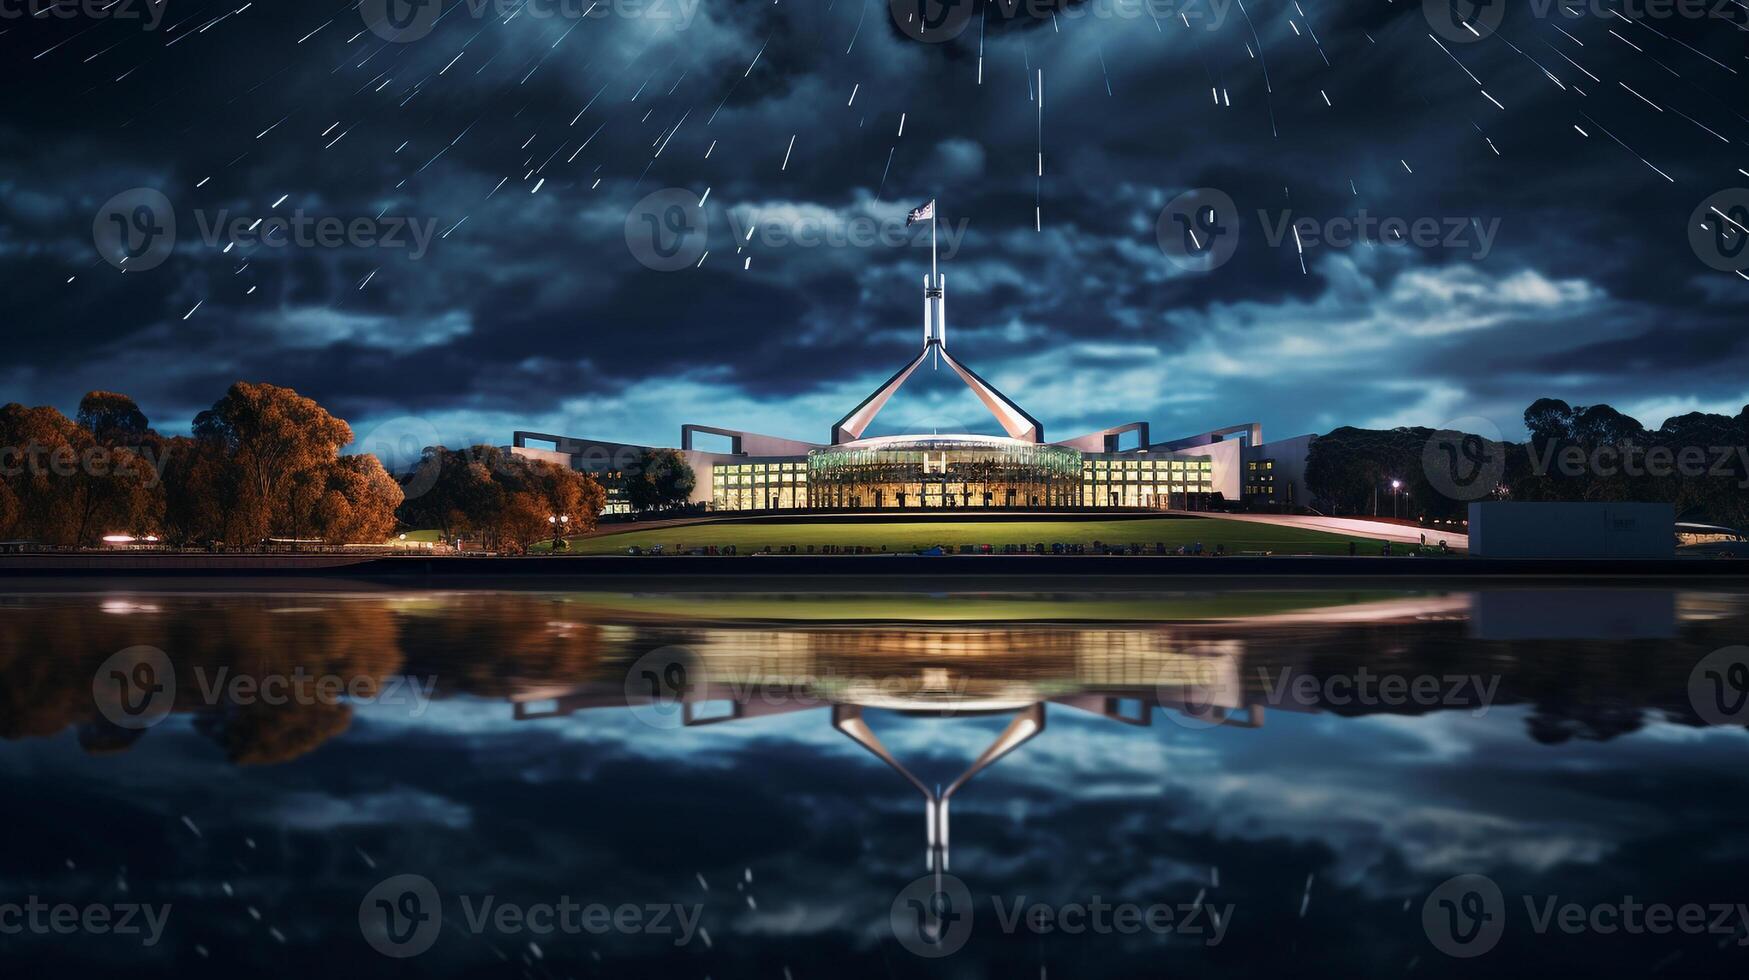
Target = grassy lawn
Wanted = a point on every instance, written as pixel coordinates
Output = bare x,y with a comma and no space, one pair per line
747,537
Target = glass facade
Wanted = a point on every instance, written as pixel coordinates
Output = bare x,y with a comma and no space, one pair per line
781,485
1140,480
950,472
946,473
1260,478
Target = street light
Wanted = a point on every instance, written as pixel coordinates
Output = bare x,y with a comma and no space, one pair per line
558,521
1396,492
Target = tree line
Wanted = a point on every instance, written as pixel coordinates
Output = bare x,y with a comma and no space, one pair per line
1699,462
263,463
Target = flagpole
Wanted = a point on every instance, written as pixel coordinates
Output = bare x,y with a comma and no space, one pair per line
935,276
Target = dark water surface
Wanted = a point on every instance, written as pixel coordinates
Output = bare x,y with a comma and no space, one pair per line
582,784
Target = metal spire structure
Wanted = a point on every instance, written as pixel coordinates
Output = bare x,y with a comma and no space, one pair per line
1014,420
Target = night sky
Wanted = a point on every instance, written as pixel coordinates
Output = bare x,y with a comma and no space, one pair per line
522,139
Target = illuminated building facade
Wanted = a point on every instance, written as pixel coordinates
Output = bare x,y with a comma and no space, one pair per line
1113,469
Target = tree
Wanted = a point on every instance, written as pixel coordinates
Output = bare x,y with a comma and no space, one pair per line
661,479
500,495
568,493
520,523
207,500
112,419
1549,418
8,511
359,503
64,487
457,491
275,436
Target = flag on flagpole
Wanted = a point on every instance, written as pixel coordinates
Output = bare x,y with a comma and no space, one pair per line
924,213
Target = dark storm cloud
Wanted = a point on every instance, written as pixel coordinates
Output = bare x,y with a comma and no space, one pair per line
525,140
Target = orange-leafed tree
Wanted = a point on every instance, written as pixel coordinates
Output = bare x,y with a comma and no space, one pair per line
279,440
358,505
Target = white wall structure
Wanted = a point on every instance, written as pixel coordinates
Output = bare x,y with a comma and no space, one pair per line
1511,529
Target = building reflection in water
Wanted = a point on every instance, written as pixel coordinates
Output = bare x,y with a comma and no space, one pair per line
1203,658
1193,672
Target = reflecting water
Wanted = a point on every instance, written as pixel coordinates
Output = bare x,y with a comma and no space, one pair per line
736,784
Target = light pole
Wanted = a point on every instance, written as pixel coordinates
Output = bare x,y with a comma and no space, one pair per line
559,522
1396,491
